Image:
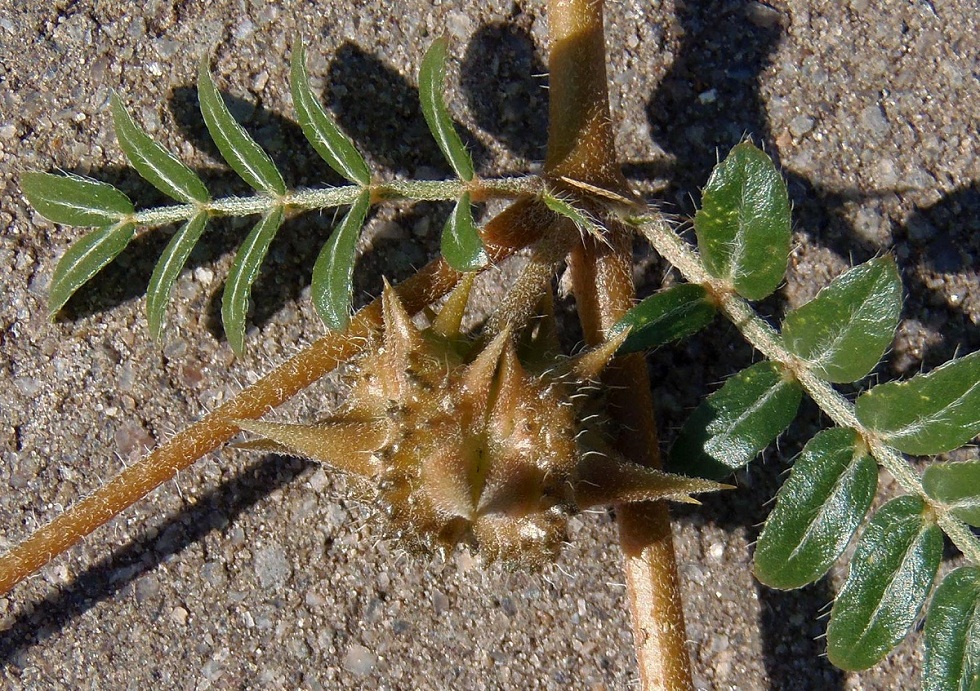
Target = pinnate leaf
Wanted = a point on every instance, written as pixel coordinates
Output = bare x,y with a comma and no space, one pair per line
736,422
168,267
154,163
743,226
669,315
332,283
929,413
952,633
432,76
320,129
85,258
844,331
74,200
461,244
237,147
244,270
891,573
958,486
817,511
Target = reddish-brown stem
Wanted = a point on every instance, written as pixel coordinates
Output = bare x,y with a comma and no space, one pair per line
580,146
503,236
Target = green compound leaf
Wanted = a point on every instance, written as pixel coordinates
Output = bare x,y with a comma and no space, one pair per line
743,226
74,200
844,331
320,129
958,486
332,284
432,76
244,270
155,164
461,244
237,147
929,413
736,422
817,511
669,315
169,266
952,633
85,258
891,573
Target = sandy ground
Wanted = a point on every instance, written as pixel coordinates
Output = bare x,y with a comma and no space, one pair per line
264,572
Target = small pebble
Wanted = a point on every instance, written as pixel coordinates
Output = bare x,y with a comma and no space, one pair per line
359,660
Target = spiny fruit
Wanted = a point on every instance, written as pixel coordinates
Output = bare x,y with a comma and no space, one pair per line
465,445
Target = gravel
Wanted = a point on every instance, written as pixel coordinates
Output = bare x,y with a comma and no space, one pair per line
267,572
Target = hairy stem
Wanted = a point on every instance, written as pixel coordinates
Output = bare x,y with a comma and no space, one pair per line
766,340
581,149
429,284
308,200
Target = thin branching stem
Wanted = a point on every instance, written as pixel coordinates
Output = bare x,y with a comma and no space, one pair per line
767,341
324,198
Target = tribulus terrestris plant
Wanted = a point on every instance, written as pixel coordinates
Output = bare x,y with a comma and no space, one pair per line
491,438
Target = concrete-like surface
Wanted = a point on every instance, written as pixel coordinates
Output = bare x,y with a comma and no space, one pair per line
266,572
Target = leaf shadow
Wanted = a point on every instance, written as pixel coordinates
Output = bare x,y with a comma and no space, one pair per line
368,97
502,79
110,575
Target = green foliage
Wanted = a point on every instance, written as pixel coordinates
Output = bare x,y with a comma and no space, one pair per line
169,266
929,413
743,226
74,200
237,147
956,485
670,315
332,284
154,163
86,258
891,573
952,655
432,76
244,271
736,422
461,244
334,146
844,331
817,511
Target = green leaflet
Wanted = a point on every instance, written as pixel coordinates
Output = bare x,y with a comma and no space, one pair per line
952,634
461,244
736,422
332,283
432,75
85,258
582,221
74,200
244,270
929,413
320,129
669,315
168,267
844,331
241,152
891,574
958,486
743,225
155,164
817,511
